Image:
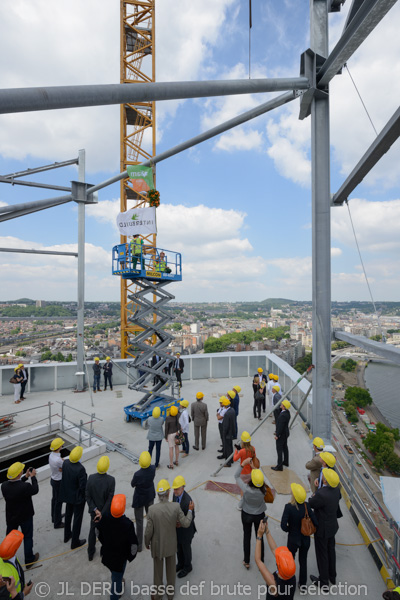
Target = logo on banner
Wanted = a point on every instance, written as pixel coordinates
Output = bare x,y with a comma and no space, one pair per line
141,178
138,221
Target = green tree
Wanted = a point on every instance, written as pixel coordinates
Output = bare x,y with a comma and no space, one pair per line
393,462
360,396
349,365
303,364
46,355
376,338
213,345
177,326
60,357
339,345
69,358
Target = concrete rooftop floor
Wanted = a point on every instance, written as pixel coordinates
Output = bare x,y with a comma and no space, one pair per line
217,546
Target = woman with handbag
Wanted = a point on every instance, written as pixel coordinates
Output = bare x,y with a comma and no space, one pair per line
299,521
171,428
16,380
246,450
253,508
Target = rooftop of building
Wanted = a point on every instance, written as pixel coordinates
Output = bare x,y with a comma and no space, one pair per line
217,546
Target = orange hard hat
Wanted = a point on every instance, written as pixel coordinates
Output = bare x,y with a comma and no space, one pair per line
118,505
285,562
10,544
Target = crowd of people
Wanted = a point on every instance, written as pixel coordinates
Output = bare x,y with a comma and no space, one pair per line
170,525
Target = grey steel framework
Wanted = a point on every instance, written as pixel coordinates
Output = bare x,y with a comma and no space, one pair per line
142,342
318,67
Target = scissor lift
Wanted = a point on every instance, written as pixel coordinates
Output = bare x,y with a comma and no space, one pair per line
151,277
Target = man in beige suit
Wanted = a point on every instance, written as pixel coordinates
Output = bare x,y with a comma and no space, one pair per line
199,414
315,464
160,536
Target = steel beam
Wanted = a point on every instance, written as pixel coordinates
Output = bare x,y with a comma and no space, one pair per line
202,137
46,186
56,165
364,21
389,134
387,351
26,251
321,235
356,4
80,328
26,208
50,98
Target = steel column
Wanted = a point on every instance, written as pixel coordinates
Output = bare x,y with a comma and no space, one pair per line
80,345
321,236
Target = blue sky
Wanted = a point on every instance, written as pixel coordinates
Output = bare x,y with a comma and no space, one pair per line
238,207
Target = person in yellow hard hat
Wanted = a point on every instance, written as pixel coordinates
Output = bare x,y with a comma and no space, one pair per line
327,460
253,506
99,493
199,414
107,369
293,513
242,451
16,380
184,535
96,375
221,410
155,425
24,382
228,432
258,378
72,492
325,502
56,464
170,430
315,464
234,398
144,494
281,436
17,493
160,535
184,425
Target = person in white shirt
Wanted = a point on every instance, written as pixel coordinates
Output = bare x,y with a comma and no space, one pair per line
184,423
56,463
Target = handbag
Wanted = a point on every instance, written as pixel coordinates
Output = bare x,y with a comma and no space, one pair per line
13,380
256,462
269,495
179,438
307,526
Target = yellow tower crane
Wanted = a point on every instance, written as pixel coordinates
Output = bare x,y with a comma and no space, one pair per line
138,132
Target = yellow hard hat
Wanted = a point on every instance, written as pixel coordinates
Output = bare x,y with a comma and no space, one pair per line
245,437
174,411
257,477
16,368
178,482
156,412
328,458
237,388
276,388
318,442
276,377
163,486
332,478
15,469
145,459
178,353
184,403
199,395
299,492
271,376
226,402
108,358
20,365
56,443
221,400
96,358
232,394
76,454
259,370
286,404
103,464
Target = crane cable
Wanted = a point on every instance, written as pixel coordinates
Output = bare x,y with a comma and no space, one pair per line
250,26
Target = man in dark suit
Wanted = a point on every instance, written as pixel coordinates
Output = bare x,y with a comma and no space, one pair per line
100,490
25,374
325,502
184,536
228,430
178,368
281,436
257,379
144,494
72,492
17,493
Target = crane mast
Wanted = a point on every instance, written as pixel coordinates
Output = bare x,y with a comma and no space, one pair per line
137,133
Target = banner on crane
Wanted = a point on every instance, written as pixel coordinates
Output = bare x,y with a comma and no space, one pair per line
137,221
141,178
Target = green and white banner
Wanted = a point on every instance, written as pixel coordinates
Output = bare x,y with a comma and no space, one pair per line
141,177
137,221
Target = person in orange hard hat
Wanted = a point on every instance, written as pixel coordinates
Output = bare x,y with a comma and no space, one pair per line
11,572
282,581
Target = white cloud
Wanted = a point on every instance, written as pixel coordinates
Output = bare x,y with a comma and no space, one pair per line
336,252
375,223
240,139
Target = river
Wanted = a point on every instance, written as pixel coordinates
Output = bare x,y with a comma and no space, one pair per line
383,381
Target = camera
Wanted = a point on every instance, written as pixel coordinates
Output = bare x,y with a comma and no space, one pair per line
265,519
